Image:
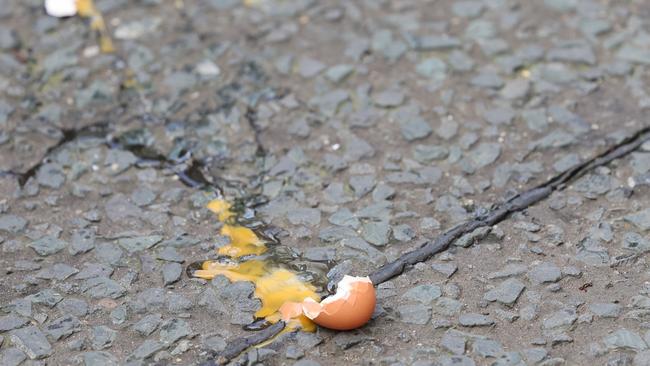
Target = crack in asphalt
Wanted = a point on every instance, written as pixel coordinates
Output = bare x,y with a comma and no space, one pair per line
67,135
187,169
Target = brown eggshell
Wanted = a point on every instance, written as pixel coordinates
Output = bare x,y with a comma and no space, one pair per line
350,308
290,310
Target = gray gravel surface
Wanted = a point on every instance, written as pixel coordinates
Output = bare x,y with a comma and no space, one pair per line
369,127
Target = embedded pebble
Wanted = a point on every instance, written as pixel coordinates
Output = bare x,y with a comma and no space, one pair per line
486,348
423,293
389,98
32,342
624,339
62,327
561,318
507,292
12,356
414,314
447,269
304,216
484,154
605,310
474,320
10,322
102,337
544,272
148,324
376,232
48,245
12,223
415,128
640,219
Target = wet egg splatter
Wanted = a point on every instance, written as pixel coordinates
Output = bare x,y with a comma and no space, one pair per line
274,285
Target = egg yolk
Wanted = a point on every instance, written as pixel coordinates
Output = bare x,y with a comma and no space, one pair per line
243,241
222,209
246,271
281,286
273,286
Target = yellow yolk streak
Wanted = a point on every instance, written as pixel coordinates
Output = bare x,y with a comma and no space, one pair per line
247,271
221,208
279,287
273,286
87,9
243,241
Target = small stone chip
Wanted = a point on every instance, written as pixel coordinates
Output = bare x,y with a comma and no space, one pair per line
11,321
544,272
475,320
423,293
389,98
507,292
414,314
171,272
31,341
47,245
12,223
447,269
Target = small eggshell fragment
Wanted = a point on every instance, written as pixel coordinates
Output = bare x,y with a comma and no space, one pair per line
290,310
351,307
61,8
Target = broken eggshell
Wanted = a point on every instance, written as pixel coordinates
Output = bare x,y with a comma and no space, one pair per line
351,307
61,8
